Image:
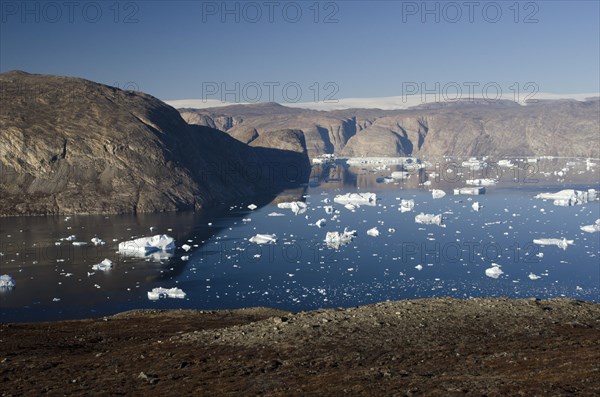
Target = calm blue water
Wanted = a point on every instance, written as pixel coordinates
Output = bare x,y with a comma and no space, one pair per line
300,272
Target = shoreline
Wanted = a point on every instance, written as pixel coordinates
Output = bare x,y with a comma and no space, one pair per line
430,346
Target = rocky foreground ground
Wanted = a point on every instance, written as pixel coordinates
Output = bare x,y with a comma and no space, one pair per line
442,347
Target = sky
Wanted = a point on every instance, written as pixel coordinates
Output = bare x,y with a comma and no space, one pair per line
302,51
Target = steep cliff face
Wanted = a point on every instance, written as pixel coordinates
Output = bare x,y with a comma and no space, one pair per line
558,128
73,146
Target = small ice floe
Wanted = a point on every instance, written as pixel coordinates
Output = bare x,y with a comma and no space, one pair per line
275,214
474,164
104,266
569,197
79,243
419,267
473,191
391,230
356,199
185,257
145,246
427,183
430,219
160,292
476,206
494,271
373,232
67,218
97,241
7,281
560,243
69,238
186,247
505,163
481,182
533,276
328,209
320,223
592,228
400,175
406,205
437,193
263,239
350,207
252,207
336,239
297,207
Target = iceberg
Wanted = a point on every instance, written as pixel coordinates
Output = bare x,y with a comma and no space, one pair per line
320,223
336,239
400,175
473,191
160,292
476,206
533,276
7,281
328,209
429,219
494,271
373,232
592,228
356,199
569,197
481,182
560,243
145,246
297,207
406,205
252,207
186,247
505,163
97,241
437,193
104,266
263,239
276,214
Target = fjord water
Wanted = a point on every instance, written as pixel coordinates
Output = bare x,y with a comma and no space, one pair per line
300,272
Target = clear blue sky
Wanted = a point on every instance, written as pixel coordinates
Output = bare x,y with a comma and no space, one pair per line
174,50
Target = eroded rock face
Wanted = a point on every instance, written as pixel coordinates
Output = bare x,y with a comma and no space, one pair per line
73,146
556,128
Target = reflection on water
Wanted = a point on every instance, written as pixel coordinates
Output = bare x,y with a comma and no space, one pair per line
54,278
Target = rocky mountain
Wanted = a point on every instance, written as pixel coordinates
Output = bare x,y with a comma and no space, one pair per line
74,146
464,128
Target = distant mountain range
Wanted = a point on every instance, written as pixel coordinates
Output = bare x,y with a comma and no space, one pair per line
565,127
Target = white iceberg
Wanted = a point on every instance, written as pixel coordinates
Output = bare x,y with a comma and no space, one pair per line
328,209
400,175
337,239
186,247
533,276
476,206
481,182
356,199
560,243
97,241
145,246
494,271
263,239
473,191
437,193
505,163
252,207
419,267
373,232
320,223
429,219
592,228
406,205
297,207
7,281
160,292
569,197
104,266
276,214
